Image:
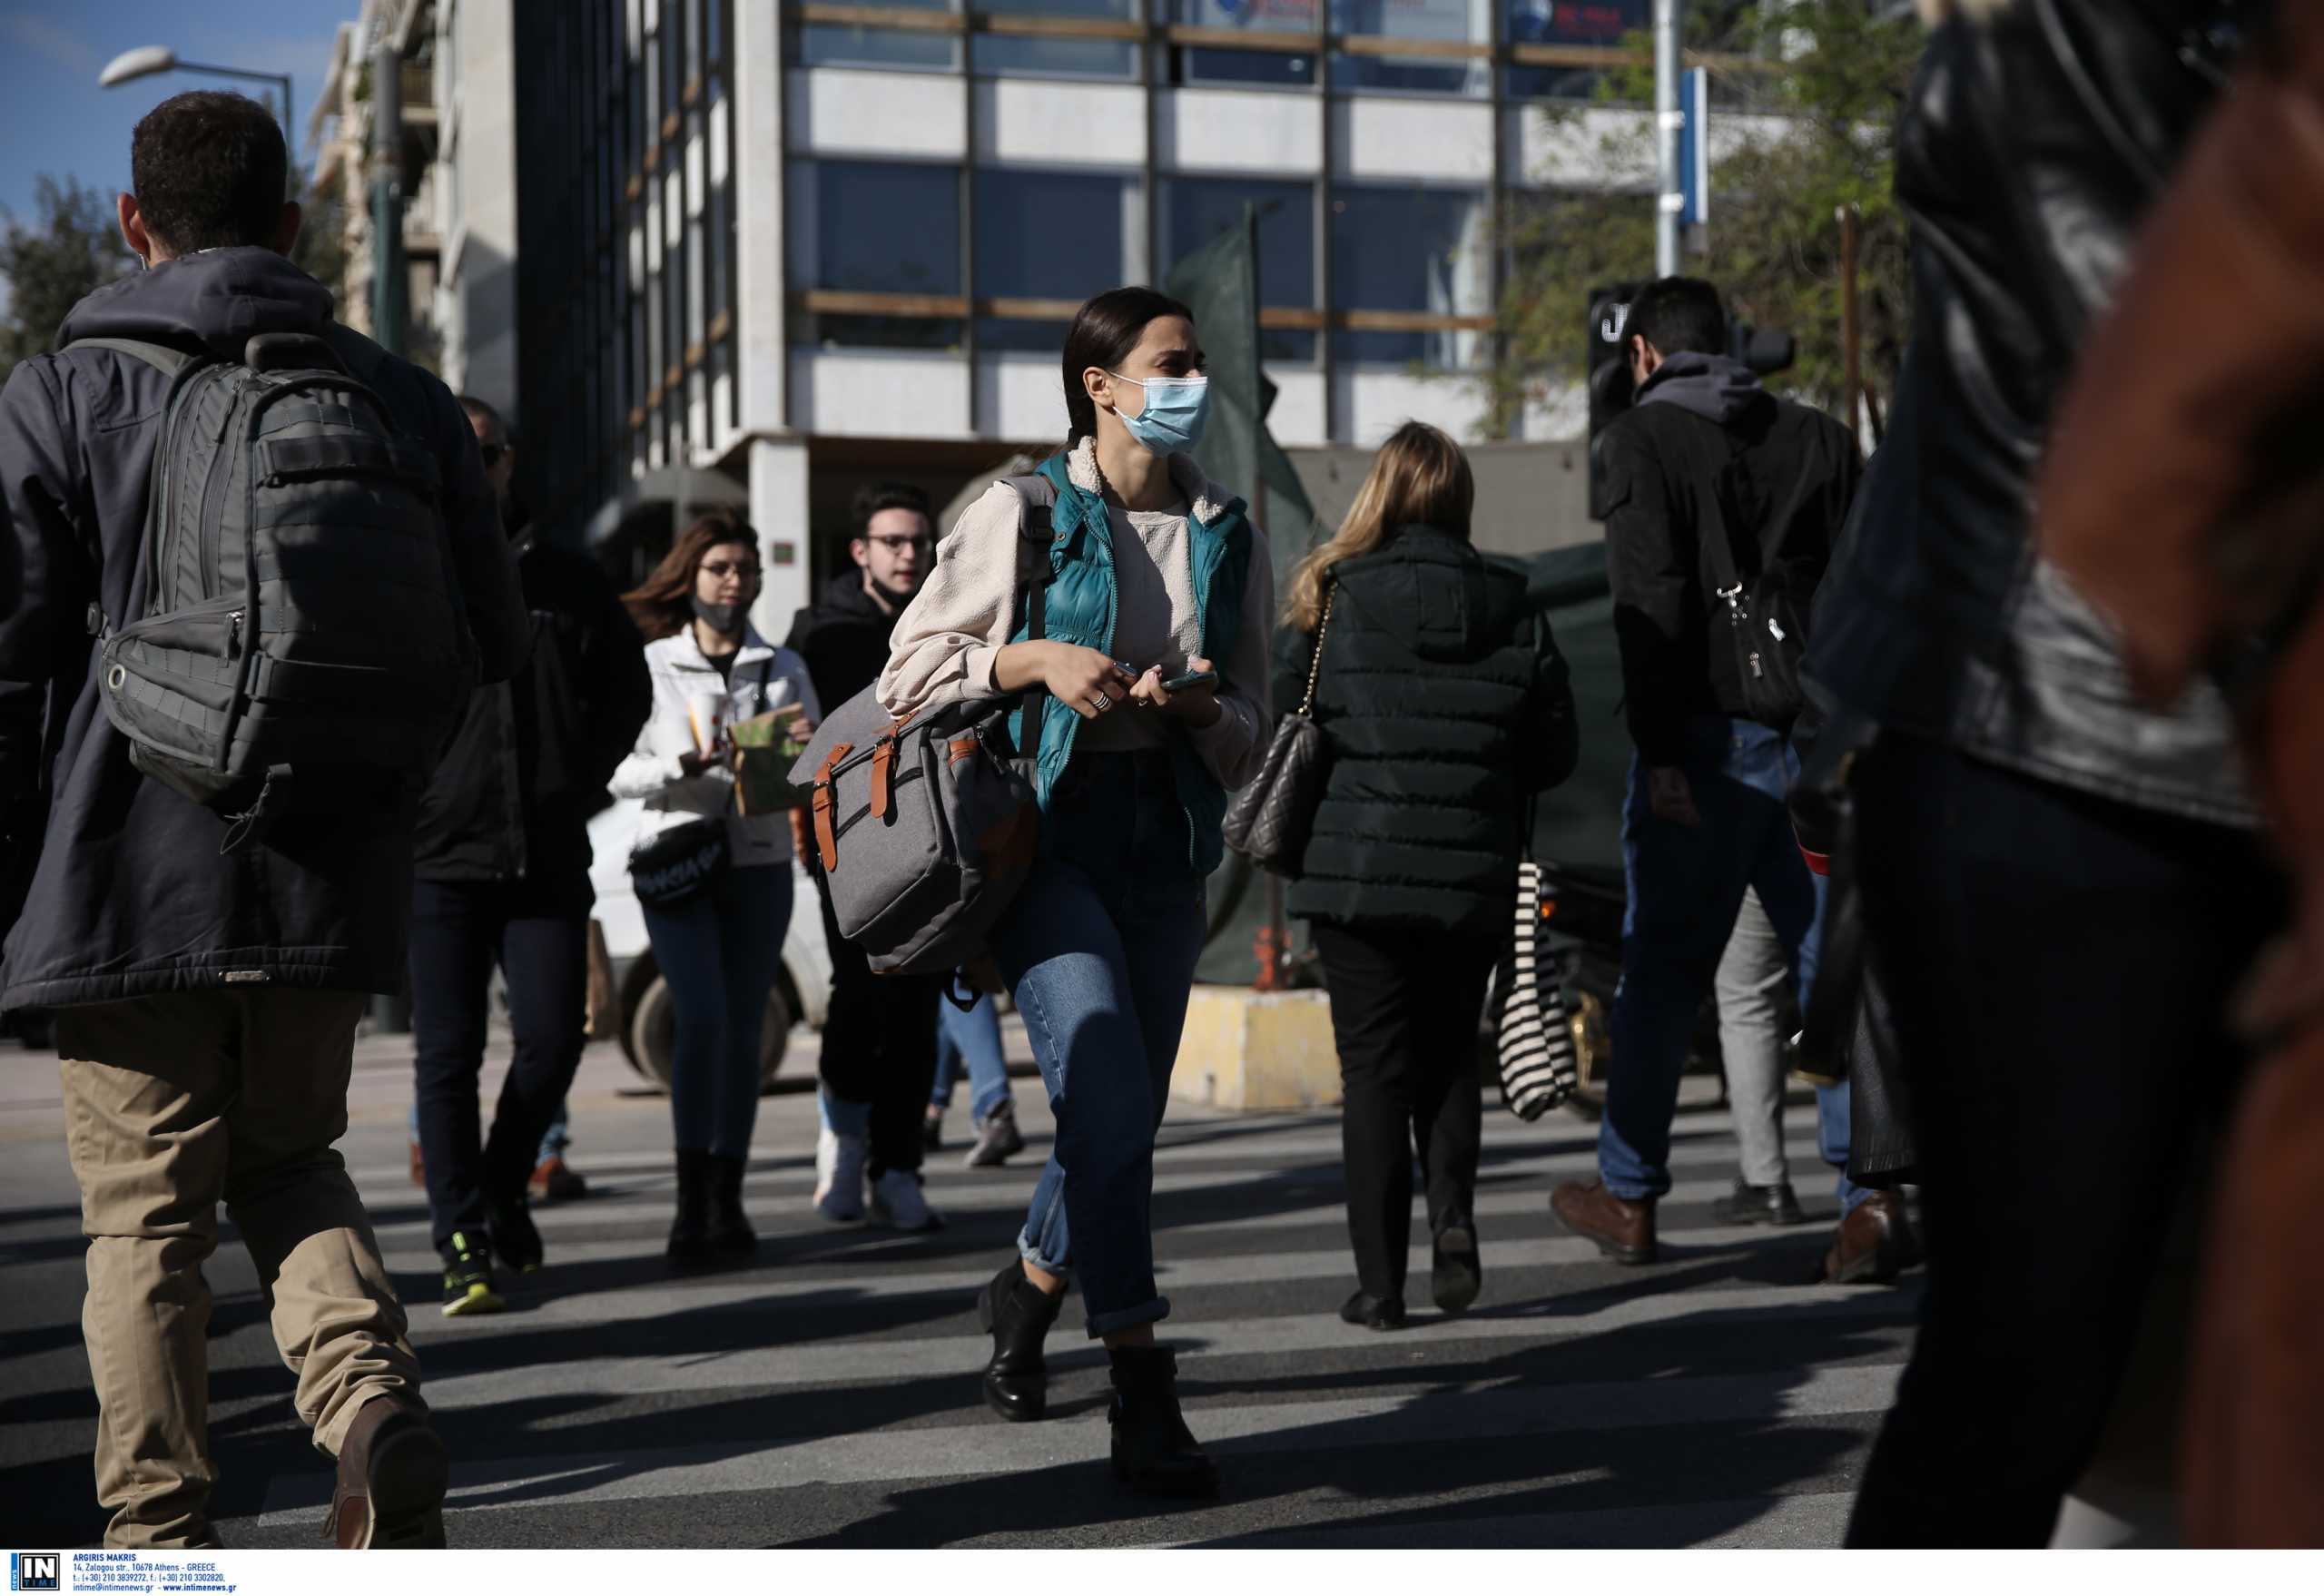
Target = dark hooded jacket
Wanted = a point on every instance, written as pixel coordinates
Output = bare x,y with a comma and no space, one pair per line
2029,151
1709,452
512,797
120,888
1444,704
843,637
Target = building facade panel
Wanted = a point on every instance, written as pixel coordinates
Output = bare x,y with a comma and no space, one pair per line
1383,140
880,393
1225,130
1059,123
877,114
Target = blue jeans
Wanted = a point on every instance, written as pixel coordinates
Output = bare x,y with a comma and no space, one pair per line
1099,949
1686,886
971,1038
719,952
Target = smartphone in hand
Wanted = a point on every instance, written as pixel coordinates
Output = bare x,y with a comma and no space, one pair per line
1190,680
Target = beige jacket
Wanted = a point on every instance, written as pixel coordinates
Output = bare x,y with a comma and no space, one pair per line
945,644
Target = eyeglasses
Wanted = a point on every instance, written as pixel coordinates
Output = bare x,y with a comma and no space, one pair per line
722,568
896,543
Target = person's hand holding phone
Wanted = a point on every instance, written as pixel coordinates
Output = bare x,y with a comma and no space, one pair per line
1191,695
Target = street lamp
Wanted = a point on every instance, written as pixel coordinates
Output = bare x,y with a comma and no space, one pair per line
148,60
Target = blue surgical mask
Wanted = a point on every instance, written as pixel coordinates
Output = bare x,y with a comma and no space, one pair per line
1175,409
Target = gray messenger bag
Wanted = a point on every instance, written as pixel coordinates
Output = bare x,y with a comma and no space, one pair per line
925,828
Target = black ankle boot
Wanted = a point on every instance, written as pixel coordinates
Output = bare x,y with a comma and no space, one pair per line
1154,1452
1019,1314
690,1231
730,1232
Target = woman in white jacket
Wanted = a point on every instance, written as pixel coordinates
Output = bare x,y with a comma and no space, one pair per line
719,948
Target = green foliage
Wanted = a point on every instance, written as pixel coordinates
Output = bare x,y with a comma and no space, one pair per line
1830,78
321,249
73,250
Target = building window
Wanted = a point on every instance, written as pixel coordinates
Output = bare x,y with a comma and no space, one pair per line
1423,22
1409,252
1196,210
1206,63
832,45
1004,54
1052,237
869,228
1601,24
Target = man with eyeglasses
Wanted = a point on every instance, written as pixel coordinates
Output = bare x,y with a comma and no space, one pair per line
501,862
879,1058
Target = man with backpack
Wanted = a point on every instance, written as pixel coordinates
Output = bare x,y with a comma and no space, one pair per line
253,571
1725,503
503,869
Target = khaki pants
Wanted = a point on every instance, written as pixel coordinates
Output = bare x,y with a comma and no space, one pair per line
171,1103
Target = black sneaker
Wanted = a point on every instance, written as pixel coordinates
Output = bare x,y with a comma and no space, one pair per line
467,1276
1758,1205
517,1237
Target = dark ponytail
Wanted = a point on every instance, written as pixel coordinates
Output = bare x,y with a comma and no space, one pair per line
1104,331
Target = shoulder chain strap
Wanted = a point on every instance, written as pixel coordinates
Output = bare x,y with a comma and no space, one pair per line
1315,665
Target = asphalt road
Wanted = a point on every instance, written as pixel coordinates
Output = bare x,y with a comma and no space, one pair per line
828,1395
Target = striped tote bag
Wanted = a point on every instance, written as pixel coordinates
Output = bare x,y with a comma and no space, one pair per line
1537,1063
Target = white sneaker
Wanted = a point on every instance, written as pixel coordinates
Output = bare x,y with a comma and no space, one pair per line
897,1203
839,1176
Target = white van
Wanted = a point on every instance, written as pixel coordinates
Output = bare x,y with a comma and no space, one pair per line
647,1025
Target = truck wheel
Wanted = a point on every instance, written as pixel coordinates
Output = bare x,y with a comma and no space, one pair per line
653,1035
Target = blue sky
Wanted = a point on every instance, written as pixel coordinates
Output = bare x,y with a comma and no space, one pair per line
55,119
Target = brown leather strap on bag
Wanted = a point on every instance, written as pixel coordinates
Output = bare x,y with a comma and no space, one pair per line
883,763
826,832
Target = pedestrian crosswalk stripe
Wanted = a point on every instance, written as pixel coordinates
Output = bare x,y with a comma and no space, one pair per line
1425,1418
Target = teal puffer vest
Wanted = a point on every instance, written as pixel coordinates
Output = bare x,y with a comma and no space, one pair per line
1079,609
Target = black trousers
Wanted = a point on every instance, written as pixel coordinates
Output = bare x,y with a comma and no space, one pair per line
2060,968
1404,1012
880,1045
538,934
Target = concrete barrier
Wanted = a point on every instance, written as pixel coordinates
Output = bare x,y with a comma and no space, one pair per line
1257,1050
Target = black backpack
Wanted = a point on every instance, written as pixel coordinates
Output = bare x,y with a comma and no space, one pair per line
299,643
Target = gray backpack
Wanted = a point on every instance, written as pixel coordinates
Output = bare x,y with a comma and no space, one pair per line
925,828
299,641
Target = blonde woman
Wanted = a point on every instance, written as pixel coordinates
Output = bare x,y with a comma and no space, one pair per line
1444,705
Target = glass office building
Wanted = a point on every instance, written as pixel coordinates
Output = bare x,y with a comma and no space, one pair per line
796,242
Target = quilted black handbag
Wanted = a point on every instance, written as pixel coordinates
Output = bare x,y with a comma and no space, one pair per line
1269,818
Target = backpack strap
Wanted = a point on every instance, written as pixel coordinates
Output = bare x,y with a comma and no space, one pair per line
168,361
1036,497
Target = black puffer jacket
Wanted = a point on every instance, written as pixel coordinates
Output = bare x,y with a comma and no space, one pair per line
1445,706
512,797
128,894
2031,148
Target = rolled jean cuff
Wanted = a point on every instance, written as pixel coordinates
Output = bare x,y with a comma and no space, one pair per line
1030,1251
1636,1191
1145,1313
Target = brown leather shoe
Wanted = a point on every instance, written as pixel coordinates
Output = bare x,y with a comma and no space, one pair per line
1623,1230
1874,1245
556,1181
392,1472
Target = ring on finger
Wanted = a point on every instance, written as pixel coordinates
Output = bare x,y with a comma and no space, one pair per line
1101,702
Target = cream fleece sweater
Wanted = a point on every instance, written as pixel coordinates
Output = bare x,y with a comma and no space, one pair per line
944,644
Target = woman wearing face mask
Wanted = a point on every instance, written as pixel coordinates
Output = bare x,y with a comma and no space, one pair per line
1152,573
720,949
